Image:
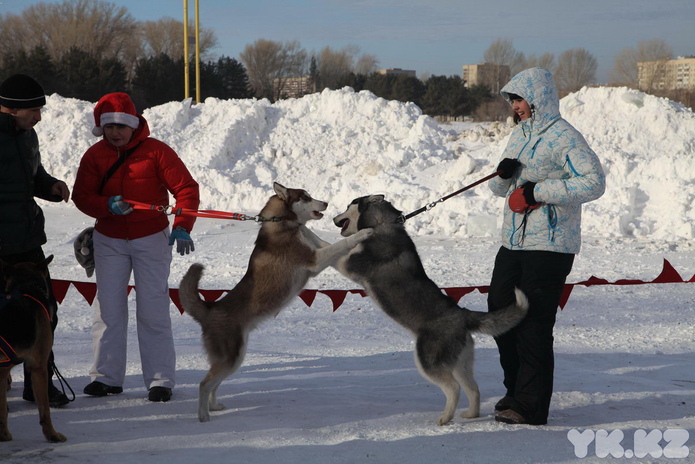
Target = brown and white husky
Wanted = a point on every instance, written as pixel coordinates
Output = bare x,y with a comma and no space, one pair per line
285,256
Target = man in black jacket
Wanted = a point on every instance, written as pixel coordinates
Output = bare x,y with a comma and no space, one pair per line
23,177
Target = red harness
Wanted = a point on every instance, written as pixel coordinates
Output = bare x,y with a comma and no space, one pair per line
5,348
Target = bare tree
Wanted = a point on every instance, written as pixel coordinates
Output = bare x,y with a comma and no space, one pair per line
366,64
165,36
266,61
98,28
625,70
502,52
575,69
293,64
546,60
335,65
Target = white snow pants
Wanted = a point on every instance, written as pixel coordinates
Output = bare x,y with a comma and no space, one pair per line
149,259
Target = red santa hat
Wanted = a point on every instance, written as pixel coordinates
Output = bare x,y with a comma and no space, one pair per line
114,108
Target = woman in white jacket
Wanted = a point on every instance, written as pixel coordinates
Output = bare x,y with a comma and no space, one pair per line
548,172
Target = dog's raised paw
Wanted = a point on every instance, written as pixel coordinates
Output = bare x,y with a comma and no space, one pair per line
362,235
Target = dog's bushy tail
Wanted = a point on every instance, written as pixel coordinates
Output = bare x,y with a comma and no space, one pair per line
191,301
498,322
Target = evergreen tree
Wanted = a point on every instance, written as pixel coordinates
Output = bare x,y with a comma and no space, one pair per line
158,80
36,64
434,98
448,96
407,89
86,77
231,78
380,85
315,74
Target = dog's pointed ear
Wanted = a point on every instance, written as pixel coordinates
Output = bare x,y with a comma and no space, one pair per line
280,190
376,198
48,260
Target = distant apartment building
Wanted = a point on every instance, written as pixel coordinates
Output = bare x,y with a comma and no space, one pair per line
493,76
397,72
678,74
294,87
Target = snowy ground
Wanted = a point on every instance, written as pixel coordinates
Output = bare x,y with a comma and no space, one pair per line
341,387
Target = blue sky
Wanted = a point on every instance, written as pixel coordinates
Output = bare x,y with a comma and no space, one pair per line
434,36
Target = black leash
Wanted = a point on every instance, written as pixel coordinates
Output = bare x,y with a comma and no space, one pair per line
429,206
63,383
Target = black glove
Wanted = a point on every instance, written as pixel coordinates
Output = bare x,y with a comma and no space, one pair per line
528,193
508,166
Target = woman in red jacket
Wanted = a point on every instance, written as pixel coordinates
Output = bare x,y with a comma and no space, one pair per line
128,164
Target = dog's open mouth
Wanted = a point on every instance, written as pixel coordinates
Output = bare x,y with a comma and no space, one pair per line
343,225
317,214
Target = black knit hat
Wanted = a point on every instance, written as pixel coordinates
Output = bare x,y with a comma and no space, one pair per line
21,91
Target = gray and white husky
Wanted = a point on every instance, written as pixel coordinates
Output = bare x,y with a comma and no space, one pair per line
388,266
285,256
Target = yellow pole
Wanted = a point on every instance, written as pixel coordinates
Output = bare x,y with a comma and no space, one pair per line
197,53
186,77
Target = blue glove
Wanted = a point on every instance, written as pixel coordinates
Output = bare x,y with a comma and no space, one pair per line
184,244
118,206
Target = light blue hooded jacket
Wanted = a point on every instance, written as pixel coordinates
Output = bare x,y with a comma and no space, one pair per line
555,156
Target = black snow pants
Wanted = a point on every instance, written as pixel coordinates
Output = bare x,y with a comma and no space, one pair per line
526,351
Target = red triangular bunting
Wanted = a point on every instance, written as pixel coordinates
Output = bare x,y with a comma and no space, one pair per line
593,281
174,297
668,275
87,289
566,291
456,293
483,289
336,296
628,282
307,296
60,289
359,292
211,295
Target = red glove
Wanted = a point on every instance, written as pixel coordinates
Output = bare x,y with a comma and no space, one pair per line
522,200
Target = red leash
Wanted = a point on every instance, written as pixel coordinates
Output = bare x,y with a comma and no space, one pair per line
170,209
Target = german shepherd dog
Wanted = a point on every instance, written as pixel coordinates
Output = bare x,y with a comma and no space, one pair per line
25,332
388,266
285,256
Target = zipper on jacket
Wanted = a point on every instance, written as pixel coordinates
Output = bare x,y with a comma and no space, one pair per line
570,165
535,145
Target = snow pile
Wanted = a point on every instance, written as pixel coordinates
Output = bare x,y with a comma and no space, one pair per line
341,144
319,386
646,145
